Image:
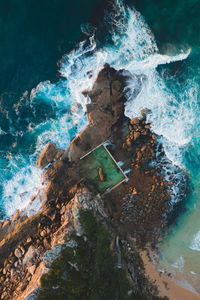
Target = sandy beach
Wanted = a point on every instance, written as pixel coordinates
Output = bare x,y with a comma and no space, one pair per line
165,285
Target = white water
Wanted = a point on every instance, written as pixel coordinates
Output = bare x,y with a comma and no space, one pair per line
195,245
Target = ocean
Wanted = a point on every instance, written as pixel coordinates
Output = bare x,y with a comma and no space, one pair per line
47,51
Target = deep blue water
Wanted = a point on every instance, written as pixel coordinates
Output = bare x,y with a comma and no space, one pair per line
44,69
34,36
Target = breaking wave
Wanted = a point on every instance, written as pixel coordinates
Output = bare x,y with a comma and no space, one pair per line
133,48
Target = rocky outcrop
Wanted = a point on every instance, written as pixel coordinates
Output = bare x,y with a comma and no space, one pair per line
48,155
135,209
105,109
21,273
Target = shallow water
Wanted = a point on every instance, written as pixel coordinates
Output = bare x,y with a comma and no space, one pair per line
176,26
100,158
166,56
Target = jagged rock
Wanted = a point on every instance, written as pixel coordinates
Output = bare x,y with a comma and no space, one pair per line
3,296
136,135
62,211
22,250
105,109
31,269
29,240
30,254
6,223
43,233
16,264
46,244
16,216
51,214
48,231
135,121
18,253
50,153
12,272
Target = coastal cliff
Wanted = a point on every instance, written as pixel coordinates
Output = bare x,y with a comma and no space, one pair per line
134,211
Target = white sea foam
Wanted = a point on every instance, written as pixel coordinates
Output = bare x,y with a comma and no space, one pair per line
18,191
186,285
35,204
179,264
2,132
195,245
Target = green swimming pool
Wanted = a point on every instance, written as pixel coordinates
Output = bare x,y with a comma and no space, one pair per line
100,169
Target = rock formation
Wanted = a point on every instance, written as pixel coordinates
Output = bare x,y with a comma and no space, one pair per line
134,210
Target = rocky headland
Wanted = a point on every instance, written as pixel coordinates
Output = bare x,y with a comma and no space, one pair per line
134,211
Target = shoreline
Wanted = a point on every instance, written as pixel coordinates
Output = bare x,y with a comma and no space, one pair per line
135,211
166,286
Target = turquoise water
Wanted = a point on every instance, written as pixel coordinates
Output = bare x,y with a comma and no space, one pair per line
33,39
100,158
42,101
176,26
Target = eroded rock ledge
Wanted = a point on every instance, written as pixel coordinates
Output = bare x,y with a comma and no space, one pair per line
134,210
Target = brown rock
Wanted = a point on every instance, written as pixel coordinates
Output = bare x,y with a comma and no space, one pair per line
128,141
135,121
16,216
144,132
143,148
136,135
32,252
62,211
46,244
52,214
18,253
139,155
6,223
48,231
154,137
29,240
4,295
22,250
31,269
104,111
43,233
50,153
12,272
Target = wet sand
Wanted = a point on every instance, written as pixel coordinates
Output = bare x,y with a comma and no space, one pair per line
165,285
